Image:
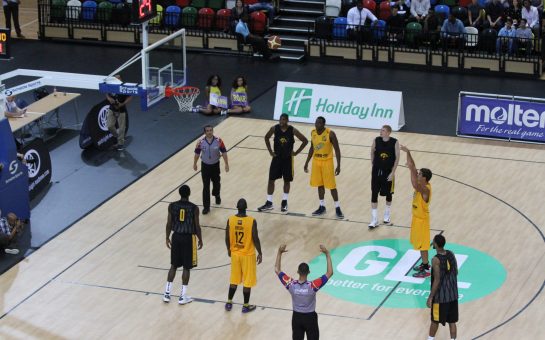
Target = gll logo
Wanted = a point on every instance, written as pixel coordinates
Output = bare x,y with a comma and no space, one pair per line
103,117
33,162
13,166
297,101
379,273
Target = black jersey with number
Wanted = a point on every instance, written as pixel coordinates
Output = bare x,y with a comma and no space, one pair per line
283,141
448,286
182,214
385,153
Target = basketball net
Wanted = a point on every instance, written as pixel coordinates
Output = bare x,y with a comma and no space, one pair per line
185,96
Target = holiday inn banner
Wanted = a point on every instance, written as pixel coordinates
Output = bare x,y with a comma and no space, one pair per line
341,106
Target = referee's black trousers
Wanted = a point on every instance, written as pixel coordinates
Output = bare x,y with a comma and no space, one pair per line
302,323
210,172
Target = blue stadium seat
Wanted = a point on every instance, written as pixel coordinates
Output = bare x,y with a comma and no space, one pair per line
339,28
172,16
442,9
379,31
89,10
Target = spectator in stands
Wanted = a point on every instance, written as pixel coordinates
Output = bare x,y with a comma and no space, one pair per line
117,115
258,43
399,2
419,10
213,85
453,32
524,37
11,10
356,18
432,28
239,97
237,12
539,5
266,5
531,15
494,14
404,8
12,110
506,36
514,12
396,25
10,227
476,15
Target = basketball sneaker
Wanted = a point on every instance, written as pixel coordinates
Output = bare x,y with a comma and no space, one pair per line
12,251
228,306
166,297
183,300
422,267
267,206
218,200
318,212
422,274
387,218
339,213
373,224
284,206
248,308
223,113
196,108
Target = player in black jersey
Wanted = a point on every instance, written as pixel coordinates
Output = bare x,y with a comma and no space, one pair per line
183,223
282,159
384,157
443,299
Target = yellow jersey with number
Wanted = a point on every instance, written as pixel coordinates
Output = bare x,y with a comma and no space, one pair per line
323,149
420,206
240,235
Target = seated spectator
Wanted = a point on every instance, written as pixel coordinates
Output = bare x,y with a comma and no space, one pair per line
419,10
355,19
258,43
476,14
531,15
514,12
396,25
506,36
404,8
10,227
12,110
494,14
239,90
264,5
237,12
453,32
524,37
432,28
539,5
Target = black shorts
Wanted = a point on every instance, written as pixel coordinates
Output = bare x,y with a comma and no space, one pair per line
379,181
281,167
183,250
445,312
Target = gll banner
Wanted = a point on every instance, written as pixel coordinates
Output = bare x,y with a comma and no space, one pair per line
38,162
94,130
501,117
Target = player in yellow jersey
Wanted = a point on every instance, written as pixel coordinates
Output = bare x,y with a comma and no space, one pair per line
420,225
242,241
323,142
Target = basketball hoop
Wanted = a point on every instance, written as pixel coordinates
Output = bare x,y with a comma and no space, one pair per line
185,96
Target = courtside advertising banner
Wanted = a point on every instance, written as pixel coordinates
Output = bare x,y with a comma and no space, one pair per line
341,106
501,117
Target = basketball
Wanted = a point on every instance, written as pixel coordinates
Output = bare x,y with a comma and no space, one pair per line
274,42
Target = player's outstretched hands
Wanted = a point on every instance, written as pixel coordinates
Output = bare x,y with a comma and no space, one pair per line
323,249
282,249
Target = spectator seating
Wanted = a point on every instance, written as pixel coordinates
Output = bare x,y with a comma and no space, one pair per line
488,40
385,10
183,3
379,30
121,14
323,27
89,10
443,10
472,38
189,16
158,20
460,13
58,10
216,5
333,8
104,12
206,18
339,28
172,16
370,5
258,22
412,33
223,17
73,10
198,4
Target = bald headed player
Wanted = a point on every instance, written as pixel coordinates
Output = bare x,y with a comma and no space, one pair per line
242,241
282,159
183,219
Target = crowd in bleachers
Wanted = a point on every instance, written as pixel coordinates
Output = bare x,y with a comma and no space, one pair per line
506,25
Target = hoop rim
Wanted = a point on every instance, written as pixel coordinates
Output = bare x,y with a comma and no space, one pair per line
180,91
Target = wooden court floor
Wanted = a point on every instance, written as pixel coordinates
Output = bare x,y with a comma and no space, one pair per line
104,277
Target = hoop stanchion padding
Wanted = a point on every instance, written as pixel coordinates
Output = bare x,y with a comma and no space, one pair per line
185,96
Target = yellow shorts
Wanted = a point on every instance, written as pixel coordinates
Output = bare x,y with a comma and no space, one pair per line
323,174
420,233
243,270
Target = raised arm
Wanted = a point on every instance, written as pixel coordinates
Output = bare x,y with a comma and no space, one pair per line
411,166
335,142
277,265
268,136
302,138
257,243
329,272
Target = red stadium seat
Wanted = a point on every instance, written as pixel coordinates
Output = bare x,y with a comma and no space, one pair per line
206,18
250,2
258,22
370,5
384,10
464,3
183,3
223,17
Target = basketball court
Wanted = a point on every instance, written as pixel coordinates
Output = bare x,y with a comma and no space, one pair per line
104,277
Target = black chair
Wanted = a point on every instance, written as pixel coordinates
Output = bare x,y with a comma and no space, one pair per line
460,13
323,26
488,40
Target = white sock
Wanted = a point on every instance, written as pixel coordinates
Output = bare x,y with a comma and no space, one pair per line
168,286
431,337
387,210
285,196
184,290
337,204
269,198
374,214
322,203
